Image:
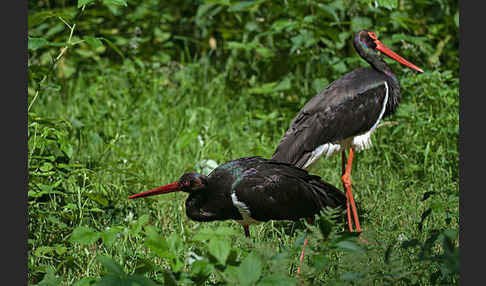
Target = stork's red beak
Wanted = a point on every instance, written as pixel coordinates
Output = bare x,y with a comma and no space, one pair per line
173,187
385,50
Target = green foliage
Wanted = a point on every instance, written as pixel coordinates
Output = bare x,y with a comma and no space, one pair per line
126,95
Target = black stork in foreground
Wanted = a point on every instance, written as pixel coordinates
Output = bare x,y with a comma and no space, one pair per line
344,115
251,190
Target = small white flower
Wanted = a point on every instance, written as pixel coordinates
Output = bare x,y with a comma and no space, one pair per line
193,257
201,141
129,217
401,237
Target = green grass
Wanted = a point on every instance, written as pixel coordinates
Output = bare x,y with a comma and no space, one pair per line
124,130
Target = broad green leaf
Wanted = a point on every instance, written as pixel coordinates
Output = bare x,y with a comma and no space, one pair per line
115,2
143,266
98,198
220,249
37,43
46,167
264,88
283,24
277,280
169,279
50,278
360,23
157,243
329,11
86,281
236,45
84,235
200,270
285,84
320,261
264,52
111,266
219,2
221,233
39,17
109,236
351,276
349,246
319,84
250,269
243,6
389,4
231,275
93,42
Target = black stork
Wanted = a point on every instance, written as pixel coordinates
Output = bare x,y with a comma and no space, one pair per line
344,114
252,190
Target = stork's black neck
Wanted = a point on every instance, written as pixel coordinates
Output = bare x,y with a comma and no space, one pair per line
367,51
212,201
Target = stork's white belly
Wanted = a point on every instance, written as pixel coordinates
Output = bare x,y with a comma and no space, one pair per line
244,211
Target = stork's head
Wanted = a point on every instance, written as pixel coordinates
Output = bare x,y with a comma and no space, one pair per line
188,183
366,42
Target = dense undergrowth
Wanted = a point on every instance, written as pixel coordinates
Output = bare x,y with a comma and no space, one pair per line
128,95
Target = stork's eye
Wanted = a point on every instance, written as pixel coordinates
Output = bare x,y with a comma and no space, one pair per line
372,35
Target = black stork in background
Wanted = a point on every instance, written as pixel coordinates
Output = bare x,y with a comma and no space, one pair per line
344,115
252,190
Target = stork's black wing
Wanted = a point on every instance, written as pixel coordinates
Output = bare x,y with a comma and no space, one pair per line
280,191
350,106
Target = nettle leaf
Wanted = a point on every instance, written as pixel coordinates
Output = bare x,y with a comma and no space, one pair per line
320,261
109,235
349,246
157,243
50,279
250,269
111,266
86,281
84,235
277,280
200,270
220,249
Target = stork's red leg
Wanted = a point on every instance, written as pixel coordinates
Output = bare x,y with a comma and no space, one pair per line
348,210
310,221
302,255
346,178
247,230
